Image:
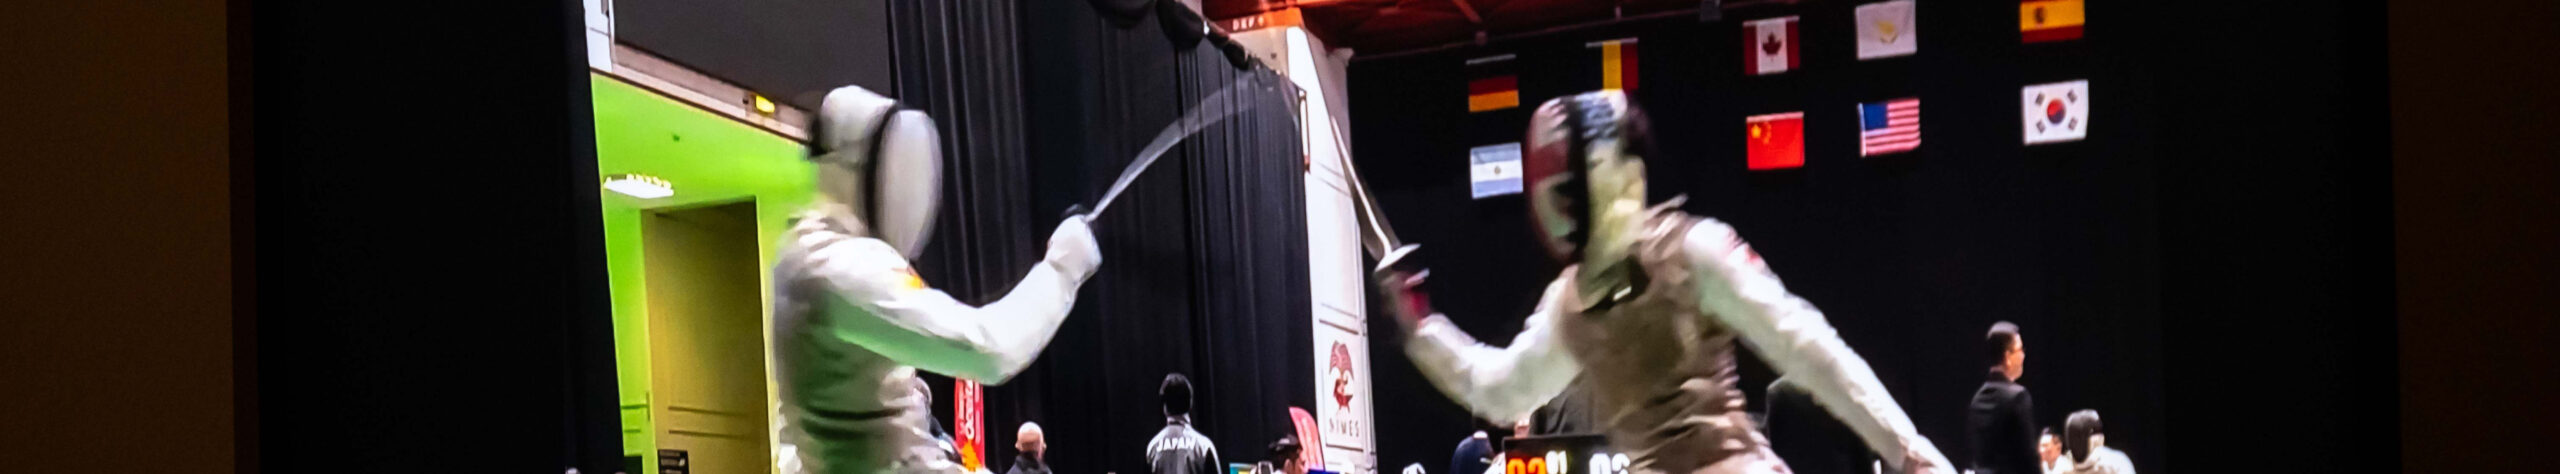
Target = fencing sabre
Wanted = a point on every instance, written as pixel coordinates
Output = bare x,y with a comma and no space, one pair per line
1214,107
1378,238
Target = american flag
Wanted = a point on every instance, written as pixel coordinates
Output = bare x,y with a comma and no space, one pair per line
1891,126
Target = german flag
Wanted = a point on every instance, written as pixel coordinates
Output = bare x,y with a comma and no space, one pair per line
2049,20
1493,85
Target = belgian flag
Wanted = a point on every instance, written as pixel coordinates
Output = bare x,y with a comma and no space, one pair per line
1611,65
1492,84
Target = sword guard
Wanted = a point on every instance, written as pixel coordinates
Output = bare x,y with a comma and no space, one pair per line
1397,258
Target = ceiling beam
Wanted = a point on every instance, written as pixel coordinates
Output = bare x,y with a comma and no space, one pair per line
1470,11
1525,35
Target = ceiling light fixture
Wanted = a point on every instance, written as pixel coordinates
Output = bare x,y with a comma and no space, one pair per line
639,186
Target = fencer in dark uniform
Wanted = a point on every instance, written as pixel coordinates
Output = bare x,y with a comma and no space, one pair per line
1649,314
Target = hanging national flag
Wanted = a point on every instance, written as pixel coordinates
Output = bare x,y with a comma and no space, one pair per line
1492,84
1617,63
1776,141
2049,20
1891,126
1887,29
2057,112
1770,46
1496,169
969,416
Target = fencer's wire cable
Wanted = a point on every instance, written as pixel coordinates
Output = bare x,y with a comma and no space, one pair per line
1216,106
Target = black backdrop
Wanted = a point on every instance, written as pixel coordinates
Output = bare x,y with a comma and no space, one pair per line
1912,256
1204,267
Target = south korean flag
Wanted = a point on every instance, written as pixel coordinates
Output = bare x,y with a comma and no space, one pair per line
2056,112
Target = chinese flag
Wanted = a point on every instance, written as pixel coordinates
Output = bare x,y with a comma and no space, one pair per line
1776,141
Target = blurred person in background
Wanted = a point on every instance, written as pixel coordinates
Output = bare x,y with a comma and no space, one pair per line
2000,422
1029,445
1282,457
1474,454
2086,446
2049,449
1179,449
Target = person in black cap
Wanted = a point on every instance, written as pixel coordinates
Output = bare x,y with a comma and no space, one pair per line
1178,449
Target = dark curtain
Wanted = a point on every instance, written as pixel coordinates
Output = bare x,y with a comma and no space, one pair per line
1204,267
957,62
1911,256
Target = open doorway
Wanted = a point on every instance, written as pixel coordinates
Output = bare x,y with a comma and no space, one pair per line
706,313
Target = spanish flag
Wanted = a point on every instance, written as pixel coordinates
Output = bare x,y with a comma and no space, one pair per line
1493,86
2049,20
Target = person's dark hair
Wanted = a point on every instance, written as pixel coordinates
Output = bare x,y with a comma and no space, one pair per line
1995,346
1283,451
1176,394
2076,432
2048,431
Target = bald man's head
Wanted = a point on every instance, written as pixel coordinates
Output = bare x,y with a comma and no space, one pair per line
1030,441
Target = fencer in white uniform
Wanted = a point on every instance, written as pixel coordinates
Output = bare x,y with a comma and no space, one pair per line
1648,312
852,321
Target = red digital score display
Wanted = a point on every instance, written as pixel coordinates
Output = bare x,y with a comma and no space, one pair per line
1556,455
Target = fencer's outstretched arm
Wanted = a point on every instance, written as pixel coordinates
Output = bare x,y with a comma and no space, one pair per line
884,307
1737,288
1497,383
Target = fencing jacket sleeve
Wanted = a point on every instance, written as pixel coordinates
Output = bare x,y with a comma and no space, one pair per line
887,309
1497,383
1738,289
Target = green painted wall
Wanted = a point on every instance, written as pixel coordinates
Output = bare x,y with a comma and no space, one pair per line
707,158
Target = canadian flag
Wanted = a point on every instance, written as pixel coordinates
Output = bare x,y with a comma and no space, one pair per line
1770,46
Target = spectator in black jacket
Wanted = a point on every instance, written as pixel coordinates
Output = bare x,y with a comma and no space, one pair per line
1178,449
2000,423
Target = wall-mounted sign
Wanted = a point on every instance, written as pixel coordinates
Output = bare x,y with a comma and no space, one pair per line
674,461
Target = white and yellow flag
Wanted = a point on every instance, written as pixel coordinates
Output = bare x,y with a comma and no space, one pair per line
1888,29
